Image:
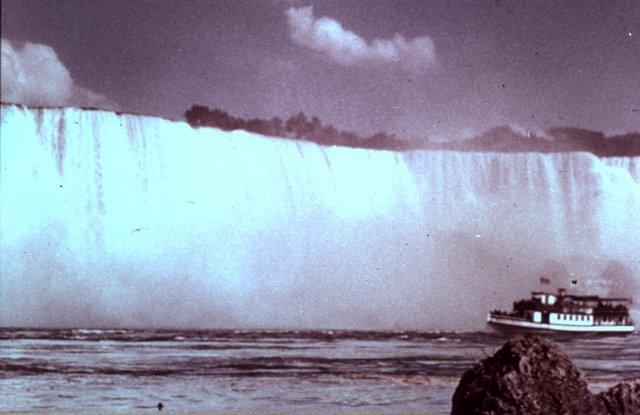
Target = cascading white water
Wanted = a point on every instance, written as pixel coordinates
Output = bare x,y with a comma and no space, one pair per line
123,220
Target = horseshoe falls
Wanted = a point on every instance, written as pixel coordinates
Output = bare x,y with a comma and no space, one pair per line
114,220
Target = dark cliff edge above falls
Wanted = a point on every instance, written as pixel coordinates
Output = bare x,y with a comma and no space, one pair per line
504,139
535,376
500,139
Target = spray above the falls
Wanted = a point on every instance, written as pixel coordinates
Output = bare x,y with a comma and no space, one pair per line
121,220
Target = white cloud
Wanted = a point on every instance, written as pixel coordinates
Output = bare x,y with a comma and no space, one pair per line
328,36
33,75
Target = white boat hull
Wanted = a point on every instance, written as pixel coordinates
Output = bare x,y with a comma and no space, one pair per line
508,324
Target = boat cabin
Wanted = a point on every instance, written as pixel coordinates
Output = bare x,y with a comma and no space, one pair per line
571,311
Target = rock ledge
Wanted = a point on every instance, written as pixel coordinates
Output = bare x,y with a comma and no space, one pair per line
532,375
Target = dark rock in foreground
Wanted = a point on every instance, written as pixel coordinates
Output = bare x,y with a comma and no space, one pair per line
535,376
623,398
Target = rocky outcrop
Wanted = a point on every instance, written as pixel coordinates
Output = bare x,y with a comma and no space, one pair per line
623,398
535,376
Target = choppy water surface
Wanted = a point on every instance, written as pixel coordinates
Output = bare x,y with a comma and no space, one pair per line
262,371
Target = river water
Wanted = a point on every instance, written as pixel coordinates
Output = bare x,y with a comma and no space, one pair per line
115,371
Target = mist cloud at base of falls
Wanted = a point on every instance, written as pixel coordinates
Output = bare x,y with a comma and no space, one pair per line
133,221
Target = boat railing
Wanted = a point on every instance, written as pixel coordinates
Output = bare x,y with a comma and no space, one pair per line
505,314
611,309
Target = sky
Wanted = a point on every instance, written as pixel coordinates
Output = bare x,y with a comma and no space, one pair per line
419,69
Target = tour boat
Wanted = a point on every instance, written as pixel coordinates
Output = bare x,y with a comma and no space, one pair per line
564,313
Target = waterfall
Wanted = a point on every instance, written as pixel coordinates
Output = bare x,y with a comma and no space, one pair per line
125,220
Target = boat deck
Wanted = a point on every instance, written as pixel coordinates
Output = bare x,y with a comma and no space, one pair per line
514,324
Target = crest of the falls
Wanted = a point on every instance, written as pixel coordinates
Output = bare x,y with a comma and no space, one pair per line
123,220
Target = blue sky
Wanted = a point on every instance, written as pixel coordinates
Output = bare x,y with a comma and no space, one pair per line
415,68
